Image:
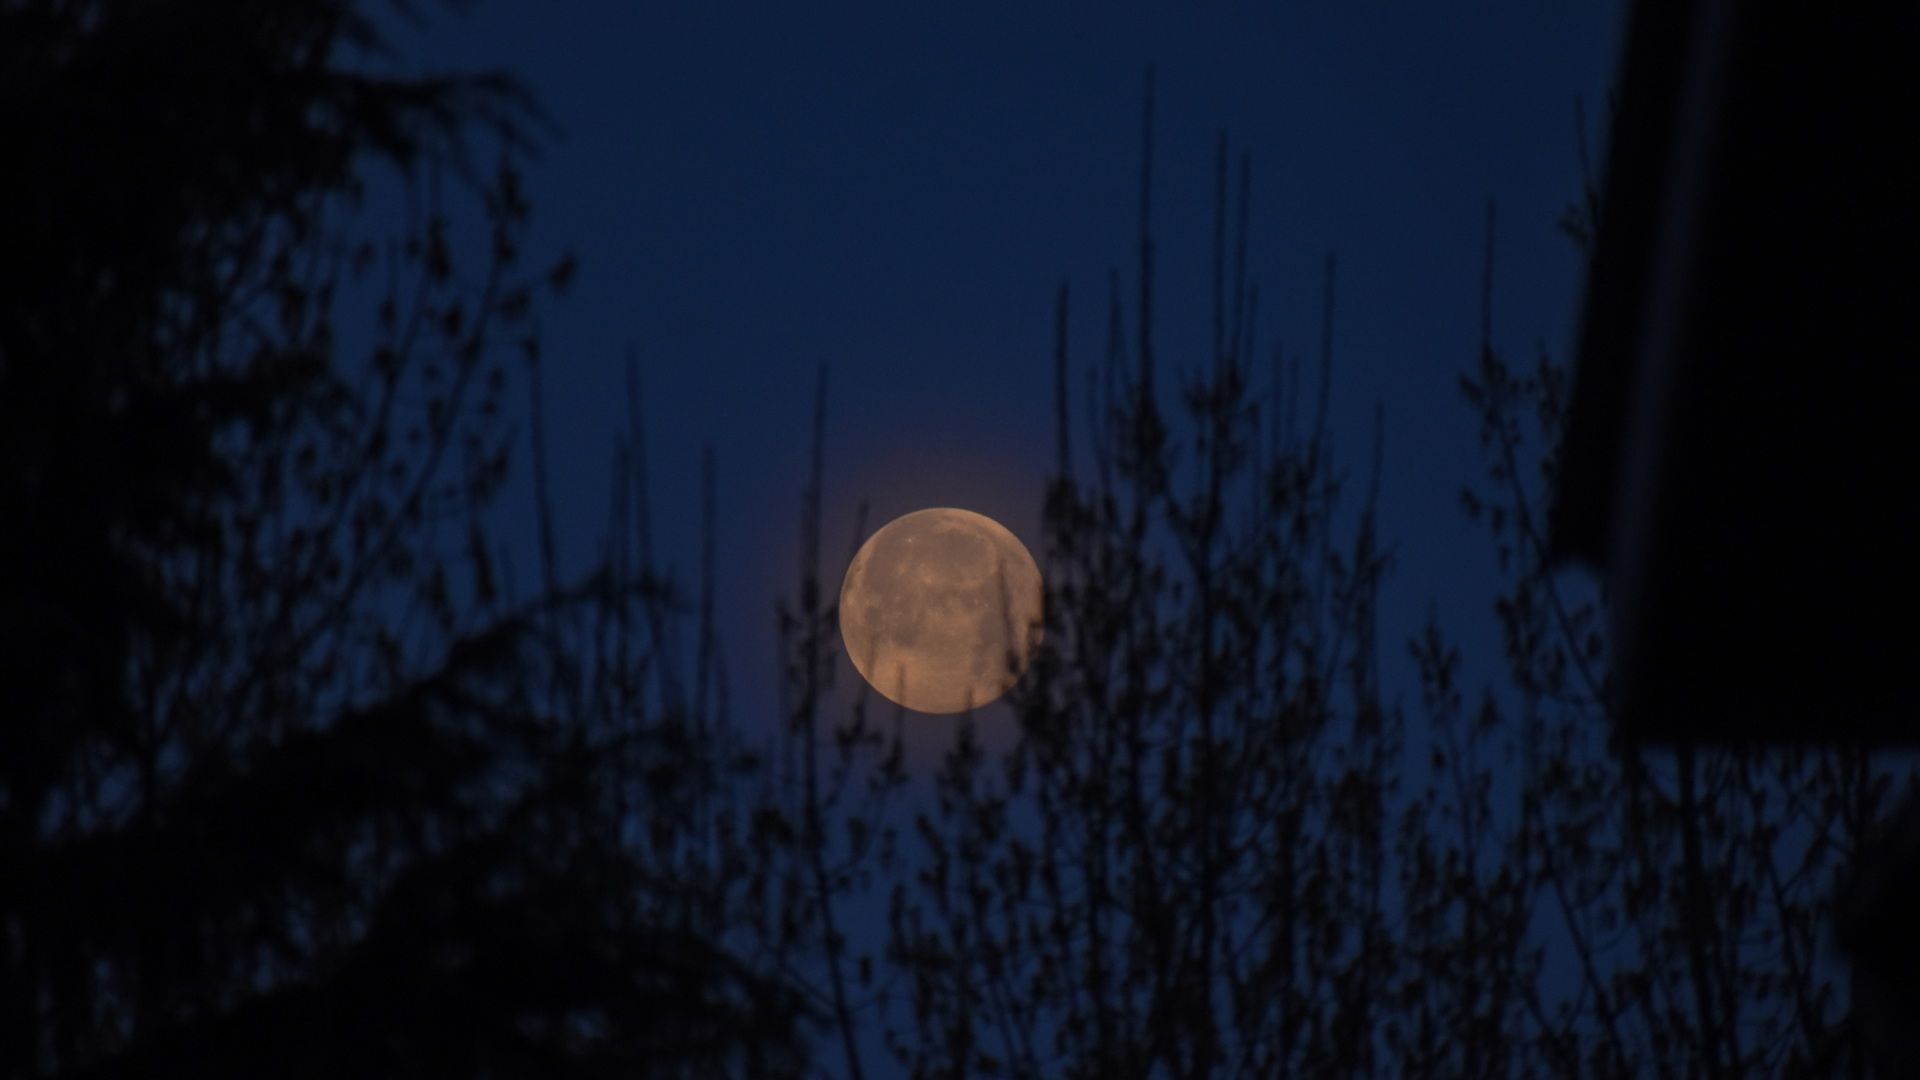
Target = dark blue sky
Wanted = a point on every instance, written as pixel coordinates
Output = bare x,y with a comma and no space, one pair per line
753,189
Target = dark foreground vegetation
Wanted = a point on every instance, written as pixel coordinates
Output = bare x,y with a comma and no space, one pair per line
296,779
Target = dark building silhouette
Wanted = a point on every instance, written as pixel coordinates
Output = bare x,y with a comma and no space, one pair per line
1740,459
1740,456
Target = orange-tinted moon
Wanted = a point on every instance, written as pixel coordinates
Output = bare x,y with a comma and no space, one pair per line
940,610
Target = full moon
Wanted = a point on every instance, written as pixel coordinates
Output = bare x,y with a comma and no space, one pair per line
940,610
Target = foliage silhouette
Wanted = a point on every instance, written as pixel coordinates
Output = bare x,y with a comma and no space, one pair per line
291,782
1216,847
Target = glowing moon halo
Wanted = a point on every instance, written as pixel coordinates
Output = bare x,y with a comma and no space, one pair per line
940,610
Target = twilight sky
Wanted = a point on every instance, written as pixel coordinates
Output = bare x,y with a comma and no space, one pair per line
897,189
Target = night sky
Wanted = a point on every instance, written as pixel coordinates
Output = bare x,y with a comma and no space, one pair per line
277,789
897,192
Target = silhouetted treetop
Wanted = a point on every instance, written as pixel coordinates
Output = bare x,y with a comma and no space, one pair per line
289,783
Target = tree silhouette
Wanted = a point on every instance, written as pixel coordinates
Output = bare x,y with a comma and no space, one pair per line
294,781
291,781
1690,890
1183,866
1217,847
